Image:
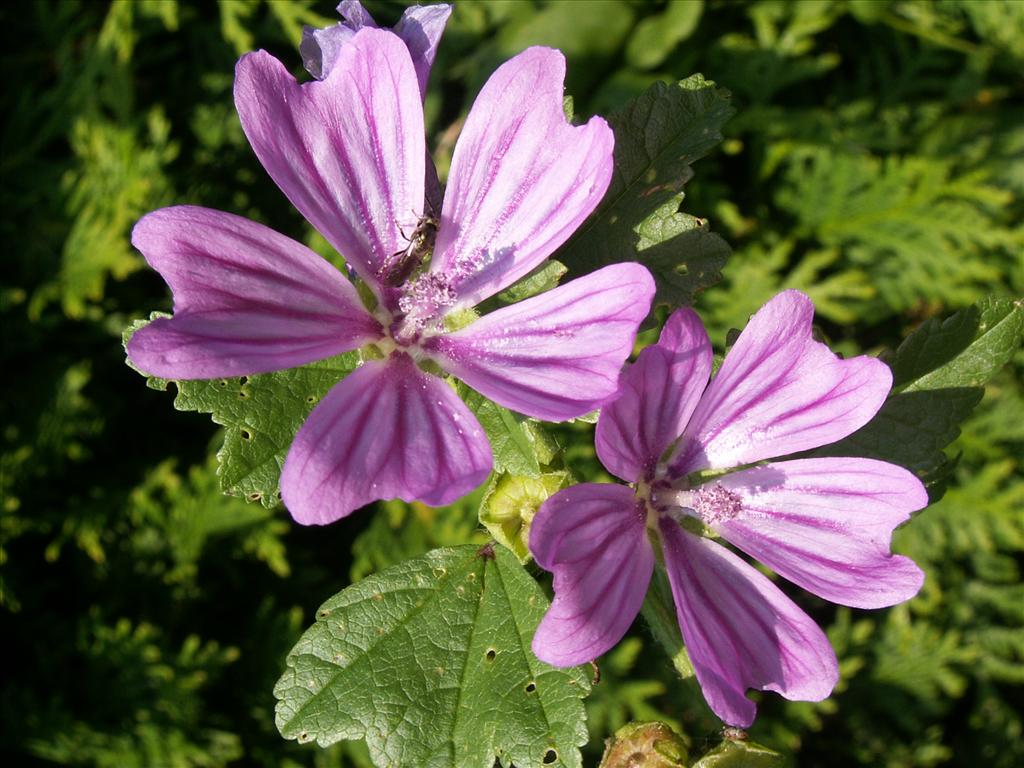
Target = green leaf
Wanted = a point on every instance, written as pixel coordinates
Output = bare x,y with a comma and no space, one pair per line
923,231
519,446
656,36
938,372
260,415
740,754
119,176
657,137
584,30
430,662
543,278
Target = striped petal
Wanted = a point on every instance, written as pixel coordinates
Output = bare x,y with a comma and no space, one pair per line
656,396
557,355
593,537
778,392
246,299
522,178
740,630
826,524
387,431
347,151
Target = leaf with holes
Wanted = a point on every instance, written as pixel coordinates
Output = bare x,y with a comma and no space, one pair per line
429,661
657,137
938,377
260,415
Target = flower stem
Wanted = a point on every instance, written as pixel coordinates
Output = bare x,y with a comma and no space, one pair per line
659,612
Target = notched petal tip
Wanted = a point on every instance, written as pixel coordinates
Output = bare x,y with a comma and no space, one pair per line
348,151
247,299
593,538
522,179
387,431
779,392
826,524
741,631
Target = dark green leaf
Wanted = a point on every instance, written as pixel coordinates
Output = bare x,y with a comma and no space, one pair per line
430,662
657,137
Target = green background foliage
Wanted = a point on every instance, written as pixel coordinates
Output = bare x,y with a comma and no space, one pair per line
875,160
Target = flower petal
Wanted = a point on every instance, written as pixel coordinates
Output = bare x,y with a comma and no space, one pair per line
656,396
421,27
387,431
348,151
778,392
593,537
246,299
319,48
557,355
740,630
522,178
826,524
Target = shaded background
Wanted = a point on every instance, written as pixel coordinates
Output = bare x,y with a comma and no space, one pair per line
876,161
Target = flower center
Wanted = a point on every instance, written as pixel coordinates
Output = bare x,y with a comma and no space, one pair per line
715,504
424,300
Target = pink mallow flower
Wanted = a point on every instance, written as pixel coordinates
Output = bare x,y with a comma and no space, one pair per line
824,524
349,152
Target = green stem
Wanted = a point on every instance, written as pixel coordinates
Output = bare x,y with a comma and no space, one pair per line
659,612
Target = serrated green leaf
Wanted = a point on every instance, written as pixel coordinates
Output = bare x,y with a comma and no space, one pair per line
657,137
740,754
997,327
939,371
510,503
260,415
430,662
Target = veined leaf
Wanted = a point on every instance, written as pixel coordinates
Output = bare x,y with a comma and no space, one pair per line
260,415
657,137
429,661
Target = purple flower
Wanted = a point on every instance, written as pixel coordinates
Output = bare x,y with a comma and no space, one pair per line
824,524
349,153
420,28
